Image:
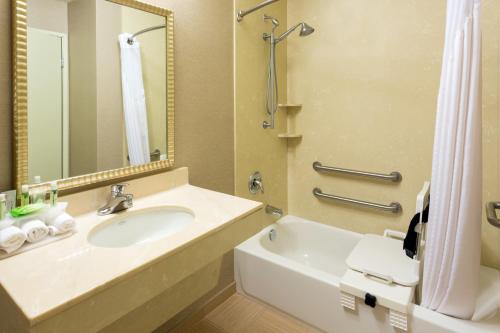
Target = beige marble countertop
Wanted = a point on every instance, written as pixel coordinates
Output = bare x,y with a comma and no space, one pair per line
47,280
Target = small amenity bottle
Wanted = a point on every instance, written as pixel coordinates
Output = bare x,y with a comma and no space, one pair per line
53,193
37,194
3,206
25,195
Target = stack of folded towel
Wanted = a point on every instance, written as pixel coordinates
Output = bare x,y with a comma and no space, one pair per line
35,230
14,234
61,224
11,239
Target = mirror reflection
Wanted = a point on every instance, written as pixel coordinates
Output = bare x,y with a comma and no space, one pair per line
97,87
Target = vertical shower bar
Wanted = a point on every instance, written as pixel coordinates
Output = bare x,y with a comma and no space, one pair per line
272,84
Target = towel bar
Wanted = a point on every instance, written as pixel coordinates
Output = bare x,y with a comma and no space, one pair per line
393,207
394,176
491,213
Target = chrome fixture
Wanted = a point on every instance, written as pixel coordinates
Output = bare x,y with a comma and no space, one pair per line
119,201
242,13
255,183
394,176
130,40
273,234
393,207
272,80
274,211
305,30
491,213
154,155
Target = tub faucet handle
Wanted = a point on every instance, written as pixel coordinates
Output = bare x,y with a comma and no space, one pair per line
260,185
255,183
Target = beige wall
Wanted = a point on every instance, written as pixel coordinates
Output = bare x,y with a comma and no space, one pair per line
6,162
491,125
368,78
256,148
82,81
110,123
204,138
49,15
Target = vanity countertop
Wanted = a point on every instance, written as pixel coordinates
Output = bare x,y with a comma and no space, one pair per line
47,280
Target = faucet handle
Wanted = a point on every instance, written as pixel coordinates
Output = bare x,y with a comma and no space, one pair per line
117,189
255,183
129,201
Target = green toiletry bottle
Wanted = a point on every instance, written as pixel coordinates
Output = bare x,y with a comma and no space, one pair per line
25,195
3,206
53,193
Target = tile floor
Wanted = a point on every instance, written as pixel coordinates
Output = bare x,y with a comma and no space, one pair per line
240,314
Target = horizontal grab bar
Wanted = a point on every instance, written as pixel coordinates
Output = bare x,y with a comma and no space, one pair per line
491,213
393,207
394,176
154,155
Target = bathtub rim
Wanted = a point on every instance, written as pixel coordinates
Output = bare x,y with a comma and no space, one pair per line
252,246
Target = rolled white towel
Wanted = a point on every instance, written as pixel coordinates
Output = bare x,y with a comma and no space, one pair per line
35,230
53,212
11,238
8,221
61,224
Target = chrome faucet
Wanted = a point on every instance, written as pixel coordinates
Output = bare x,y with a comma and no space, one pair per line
119,201
274,211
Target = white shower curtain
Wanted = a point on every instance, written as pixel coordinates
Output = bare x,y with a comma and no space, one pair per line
453,248
134,101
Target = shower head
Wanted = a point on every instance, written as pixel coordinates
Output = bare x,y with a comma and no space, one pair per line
305,29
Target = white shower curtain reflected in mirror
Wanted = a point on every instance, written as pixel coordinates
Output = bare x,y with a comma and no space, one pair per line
453,247
134,101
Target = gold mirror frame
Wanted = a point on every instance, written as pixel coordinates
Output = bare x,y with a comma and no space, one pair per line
20,104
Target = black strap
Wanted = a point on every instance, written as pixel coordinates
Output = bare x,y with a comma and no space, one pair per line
410,242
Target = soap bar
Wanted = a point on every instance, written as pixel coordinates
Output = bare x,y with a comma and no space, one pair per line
27,210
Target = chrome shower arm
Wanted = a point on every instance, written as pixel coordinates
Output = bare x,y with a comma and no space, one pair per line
242,13
288,32
130,40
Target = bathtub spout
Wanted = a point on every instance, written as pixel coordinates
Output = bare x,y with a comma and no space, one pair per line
274,211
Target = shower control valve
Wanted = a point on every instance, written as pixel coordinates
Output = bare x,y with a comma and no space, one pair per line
255,183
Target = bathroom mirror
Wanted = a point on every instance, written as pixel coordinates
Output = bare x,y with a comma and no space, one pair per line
93,90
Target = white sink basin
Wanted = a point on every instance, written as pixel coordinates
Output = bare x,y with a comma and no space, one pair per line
140,226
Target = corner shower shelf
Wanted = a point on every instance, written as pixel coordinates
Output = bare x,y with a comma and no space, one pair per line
289,136
292,110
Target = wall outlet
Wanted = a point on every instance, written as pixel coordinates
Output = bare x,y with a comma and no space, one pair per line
10,199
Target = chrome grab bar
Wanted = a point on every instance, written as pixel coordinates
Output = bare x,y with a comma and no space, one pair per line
154,155
393,207
491,213
394,176
242,13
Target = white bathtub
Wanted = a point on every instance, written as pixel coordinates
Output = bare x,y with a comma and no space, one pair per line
299,273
